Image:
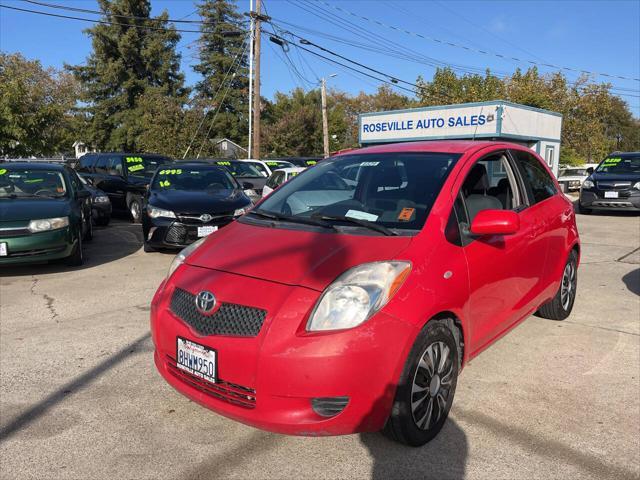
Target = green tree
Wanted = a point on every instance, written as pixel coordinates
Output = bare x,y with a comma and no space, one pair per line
223,48
37,108
127,61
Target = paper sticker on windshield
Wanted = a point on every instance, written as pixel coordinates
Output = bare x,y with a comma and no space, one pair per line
361,215
612,161
224,163
369,164
133,159
136,167
3,171
165,183
406,214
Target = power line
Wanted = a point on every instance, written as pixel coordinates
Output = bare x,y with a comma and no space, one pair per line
484,52
106,22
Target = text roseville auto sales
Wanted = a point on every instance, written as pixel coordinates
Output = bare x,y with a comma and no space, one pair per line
438,122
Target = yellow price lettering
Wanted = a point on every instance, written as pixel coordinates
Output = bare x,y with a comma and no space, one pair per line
3,171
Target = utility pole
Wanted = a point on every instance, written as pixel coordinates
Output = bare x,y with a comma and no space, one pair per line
256,87
325,122
251,37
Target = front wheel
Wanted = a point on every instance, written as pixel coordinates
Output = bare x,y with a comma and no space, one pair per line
561,304
427,385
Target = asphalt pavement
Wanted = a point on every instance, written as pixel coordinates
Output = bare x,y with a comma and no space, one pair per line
80,397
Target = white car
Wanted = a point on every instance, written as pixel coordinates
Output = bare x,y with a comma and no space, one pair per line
572,177
278,177
262,167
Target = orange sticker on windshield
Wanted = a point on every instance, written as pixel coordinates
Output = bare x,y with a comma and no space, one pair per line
406,214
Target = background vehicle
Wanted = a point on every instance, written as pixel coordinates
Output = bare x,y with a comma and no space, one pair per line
251,179
300,161
122,176
45,214
100,203
278,177
613,185
571,178
259,165
189,201
372,296
276,164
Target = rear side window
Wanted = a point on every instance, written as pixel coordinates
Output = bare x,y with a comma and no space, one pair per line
87,162
537,180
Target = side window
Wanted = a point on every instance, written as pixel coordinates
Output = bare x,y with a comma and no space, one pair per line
490,185
279,180
457,226
537,181
86,163
75,181
114,165
101,164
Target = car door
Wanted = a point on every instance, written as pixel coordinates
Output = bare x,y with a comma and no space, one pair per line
80,201
503,269
109,178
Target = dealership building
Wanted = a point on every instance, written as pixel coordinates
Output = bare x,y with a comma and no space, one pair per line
496,120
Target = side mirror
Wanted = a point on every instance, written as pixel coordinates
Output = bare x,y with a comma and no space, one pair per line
590,170
495,222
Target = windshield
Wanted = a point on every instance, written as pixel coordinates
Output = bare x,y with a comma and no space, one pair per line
196,178
392,190
620,165
26,182
240,169
142,165
261,168
276,164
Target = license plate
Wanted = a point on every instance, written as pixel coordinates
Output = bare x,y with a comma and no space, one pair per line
610,194
204,231
3,249
196,359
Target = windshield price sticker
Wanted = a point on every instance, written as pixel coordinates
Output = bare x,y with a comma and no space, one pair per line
311,162
612,161
133,159
165,183
135,168
369,164
173,171
224,163
3,171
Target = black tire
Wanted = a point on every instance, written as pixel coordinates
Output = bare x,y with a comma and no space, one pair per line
77,257
88,236
147,248
135,209
412,427
103,221
560,306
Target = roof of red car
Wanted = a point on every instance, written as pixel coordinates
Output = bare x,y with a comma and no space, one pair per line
443,146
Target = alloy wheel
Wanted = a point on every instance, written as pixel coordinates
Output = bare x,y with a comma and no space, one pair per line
431,386
568,286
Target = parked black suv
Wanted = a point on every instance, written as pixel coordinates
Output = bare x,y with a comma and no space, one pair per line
613,185
124,177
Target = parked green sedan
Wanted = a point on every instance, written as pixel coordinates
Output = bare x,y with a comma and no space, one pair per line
45,213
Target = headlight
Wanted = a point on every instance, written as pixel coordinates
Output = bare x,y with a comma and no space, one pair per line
358,294
588,183
101,199
47,224
637,186
155,212
184,253
242,211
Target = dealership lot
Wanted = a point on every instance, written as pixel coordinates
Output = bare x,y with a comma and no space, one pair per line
80,397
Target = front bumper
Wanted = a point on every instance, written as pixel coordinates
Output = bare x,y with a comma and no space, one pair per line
38,247
100,211
279,371
594,199
169,233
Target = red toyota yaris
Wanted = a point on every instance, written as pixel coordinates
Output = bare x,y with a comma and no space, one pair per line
350,298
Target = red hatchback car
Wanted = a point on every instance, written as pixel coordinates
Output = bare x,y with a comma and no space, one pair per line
350,298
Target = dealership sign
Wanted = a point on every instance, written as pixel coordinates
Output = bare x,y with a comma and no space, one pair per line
453,121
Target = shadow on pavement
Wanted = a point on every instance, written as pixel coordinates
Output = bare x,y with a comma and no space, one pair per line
632,281
119,239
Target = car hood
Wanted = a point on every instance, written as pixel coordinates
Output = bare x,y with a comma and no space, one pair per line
572,177
25,209
213,201
621,177
292,257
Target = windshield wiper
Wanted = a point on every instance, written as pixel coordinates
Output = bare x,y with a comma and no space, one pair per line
289,218
356,221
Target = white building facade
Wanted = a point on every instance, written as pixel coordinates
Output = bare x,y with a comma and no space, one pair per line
499,120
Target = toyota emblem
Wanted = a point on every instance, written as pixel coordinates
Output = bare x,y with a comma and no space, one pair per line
205,217
205,302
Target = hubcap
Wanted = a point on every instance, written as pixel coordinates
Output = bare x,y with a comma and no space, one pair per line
568,286
135,210
431,386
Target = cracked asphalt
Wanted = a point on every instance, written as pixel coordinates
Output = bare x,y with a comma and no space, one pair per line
80,398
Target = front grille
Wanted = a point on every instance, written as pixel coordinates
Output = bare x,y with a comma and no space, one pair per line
618,186
216,219
176,234
14,232
230,319
600,203
225,391
186,234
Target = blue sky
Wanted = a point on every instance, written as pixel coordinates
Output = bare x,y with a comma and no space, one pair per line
599,36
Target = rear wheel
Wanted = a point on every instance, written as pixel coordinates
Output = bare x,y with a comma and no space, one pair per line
561,305
135,209
427,386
